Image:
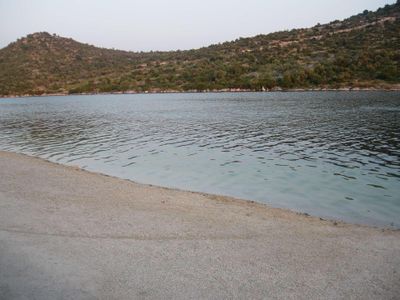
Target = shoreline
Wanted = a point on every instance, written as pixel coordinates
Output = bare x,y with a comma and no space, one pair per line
274,90
216,197
70,233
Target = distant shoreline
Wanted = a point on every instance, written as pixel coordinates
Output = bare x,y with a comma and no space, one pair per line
274,90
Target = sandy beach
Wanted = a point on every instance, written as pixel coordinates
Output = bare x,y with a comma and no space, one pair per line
66,233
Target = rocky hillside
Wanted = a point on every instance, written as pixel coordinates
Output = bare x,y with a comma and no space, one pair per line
361,51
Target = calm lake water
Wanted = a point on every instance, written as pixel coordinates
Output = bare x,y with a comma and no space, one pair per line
331,154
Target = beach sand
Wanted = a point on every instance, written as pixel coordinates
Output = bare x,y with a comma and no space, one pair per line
66,233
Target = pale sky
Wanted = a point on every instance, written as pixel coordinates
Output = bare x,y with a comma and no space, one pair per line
168,24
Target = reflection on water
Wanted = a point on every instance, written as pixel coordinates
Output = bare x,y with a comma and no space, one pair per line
333,154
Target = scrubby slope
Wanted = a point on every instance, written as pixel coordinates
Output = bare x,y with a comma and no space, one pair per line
361,51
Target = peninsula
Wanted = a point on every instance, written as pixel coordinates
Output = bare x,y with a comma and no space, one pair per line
361,52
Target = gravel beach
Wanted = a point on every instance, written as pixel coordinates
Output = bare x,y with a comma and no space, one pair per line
66,233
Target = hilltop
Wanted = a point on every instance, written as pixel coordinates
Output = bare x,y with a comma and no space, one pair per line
361,51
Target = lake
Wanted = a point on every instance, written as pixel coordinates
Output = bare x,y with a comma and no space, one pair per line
330,154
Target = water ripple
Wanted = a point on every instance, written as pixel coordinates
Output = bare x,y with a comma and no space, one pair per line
312,152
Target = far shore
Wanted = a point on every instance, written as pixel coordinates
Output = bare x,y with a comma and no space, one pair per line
70,233
233,90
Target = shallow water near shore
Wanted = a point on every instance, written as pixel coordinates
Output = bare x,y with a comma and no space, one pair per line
331,154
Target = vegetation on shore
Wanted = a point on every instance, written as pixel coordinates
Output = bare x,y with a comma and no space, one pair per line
361,51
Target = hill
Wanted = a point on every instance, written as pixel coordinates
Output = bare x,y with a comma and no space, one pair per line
361,51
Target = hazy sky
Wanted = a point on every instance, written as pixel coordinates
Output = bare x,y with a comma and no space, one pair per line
167,24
